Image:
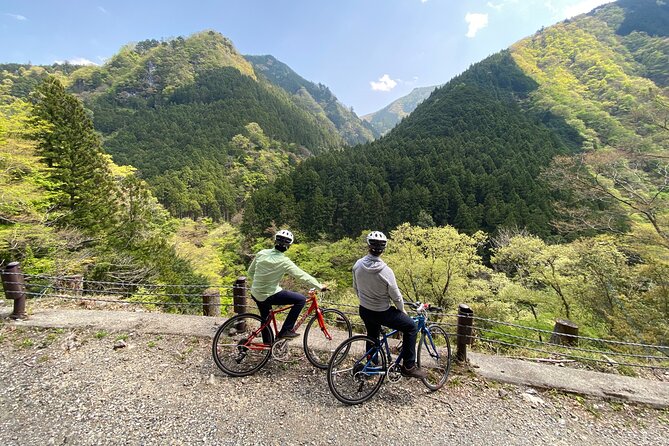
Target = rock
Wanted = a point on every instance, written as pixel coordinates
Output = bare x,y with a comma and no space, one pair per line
535,401
120,344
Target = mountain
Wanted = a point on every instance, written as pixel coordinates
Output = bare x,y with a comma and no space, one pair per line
388,117
317,98
194,117
476,152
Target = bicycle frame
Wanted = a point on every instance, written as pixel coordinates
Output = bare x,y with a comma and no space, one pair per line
311,304
384,347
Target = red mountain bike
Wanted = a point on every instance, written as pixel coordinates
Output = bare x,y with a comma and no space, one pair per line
244,344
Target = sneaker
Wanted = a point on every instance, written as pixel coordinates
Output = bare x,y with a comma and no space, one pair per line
413,372
288,335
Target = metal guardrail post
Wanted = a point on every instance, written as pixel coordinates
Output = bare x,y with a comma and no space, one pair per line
15,288
239,298
464,333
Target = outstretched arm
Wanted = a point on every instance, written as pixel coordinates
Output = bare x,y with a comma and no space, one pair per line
297,273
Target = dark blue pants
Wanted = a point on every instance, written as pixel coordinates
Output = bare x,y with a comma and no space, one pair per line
395,319
283,297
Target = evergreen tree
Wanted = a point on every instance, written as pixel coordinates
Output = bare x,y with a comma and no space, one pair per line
86,196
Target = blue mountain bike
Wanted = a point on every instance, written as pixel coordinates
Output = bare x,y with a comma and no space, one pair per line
360,364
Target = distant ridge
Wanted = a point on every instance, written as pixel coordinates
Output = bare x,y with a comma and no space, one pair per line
388,117
317,98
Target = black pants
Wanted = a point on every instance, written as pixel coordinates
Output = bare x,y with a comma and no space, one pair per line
395,319
283,297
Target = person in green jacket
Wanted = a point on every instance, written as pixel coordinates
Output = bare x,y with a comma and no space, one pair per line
266,271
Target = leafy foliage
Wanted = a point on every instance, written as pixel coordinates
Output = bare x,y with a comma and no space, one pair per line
67,208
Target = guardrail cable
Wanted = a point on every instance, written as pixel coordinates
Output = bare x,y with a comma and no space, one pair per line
75,288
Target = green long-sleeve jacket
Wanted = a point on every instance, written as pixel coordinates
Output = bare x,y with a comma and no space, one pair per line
267,269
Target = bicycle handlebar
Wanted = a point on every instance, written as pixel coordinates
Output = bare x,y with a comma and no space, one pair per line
418,306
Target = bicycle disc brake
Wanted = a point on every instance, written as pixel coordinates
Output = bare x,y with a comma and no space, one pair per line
394,374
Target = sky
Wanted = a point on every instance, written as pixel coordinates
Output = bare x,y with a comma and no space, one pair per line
368,52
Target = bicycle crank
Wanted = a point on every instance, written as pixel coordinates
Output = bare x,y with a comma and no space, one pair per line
394,374
281,351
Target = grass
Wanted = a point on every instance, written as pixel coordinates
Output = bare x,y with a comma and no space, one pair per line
627,371
617,406
101,334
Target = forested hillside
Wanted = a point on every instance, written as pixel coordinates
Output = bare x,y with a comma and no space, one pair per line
468,156
473,153
317,98
388,117
193,117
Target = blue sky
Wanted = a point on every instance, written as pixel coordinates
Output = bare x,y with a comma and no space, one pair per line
369,52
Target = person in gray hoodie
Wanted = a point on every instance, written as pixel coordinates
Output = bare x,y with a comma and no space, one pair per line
374,283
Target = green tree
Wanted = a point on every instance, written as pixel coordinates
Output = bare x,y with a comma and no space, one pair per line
437,264
536,265
72,150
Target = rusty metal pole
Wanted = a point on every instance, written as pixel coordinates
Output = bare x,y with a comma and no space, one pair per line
239,298
14,286
465,321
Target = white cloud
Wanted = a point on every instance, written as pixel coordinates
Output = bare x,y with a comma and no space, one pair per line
76,61
423,1
385,83
102,10
583,6
476,23
16,16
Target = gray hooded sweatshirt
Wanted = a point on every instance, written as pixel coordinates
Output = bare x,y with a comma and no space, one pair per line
374,283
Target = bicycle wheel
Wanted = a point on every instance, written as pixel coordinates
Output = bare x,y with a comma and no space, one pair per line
356,372
317,347
434,356
238,346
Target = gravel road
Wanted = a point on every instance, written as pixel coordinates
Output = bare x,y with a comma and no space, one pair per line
89,387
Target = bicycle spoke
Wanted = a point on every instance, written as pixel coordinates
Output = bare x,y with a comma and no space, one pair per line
238,348
434,356
320,342
352,375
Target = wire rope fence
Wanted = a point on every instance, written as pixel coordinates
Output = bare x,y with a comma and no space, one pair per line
561,345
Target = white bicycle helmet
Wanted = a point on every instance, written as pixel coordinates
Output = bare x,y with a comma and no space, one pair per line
377,240
284,237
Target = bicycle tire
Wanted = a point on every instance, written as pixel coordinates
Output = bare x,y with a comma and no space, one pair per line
353,377
235,349
319,349
437,364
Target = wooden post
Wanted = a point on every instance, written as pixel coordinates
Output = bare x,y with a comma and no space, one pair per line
211,303
464,333
564,332
239,299
14,286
